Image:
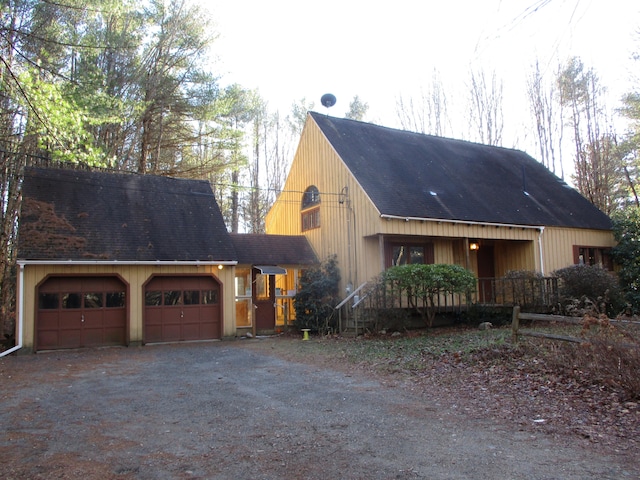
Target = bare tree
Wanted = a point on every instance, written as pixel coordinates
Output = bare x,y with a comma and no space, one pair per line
428,113
547,114
485,107
273,143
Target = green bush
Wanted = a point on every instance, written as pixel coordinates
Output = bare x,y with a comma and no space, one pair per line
421,285
318,295
585,288
626,254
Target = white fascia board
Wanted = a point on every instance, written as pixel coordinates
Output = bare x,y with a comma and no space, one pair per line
461,222
125,262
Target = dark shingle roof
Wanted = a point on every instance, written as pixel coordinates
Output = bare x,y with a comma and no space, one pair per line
255,249
86,215
414,175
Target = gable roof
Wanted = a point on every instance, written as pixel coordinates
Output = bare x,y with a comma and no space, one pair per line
91,215
256,249
412,175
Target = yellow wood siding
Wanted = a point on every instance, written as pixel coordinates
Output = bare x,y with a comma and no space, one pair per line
353,229
558,243
135,276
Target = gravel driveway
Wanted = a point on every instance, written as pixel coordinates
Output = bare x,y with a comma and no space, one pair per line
227,410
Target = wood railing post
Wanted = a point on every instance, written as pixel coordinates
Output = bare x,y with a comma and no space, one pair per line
515,324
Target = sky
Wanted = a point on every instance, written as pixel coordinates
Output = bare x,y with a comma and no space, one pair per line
381,50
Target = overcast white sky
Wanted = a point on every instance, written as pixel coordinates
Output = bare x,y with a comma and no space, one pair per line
379,50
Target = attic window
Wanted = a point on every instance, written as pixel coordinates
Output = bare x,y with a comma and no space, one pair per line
311,219
310,208
310,197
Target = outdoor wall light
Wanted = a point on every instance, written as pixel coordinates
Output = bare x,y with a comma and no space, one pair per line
474,245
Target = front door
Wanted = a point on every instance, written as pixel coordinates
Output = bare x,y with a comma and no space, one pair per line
264,300
486,273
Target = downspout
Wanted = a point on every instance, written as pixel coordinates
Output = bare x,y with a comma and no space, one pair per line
20,306
540,250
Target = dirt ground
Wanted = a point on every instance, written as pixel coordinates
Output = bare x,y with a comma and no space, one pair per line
239,410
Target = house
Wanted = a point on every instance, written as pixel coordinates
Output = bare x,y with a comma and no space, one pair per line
377,197
126,259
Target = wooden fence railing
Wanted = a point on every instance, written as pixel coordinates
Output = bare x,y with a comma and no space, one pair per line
516,331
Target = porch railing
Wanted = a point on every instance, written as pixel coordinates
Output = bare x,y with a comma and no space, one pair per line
371,304
527,292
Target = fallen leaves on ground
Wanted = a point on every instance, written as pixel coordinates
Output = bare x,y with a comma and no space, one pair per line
510,386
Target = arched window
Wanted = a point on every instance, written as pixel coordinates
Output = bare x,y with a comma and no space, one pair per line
310,208
310,197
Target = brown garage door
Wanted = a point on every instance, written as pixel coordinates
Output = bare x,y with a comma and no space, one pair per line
76,312
182,308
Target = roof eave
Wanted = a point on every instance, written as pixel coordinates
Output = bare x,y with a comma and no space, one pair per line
125,262
461,222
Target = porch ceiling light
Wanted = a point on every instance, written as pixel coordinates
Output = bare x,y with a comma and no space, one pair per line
474,245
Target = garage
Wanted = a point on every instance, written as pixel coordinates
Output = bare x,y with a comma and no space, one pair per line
182,308
75,312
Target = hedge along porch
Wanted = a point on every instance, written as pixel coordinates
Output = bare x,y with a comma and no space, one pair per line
110,258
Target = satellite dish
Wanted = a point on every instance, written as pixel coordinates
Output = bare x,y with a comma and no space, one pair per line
328,100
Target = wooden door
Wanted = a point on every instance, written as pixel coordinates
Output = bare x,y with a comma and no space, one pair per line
486,273
264,299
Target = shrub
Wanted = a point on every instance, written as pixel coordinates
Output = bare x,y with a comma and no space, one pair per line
626,228
521,287
421,285
589,288
318,295
610,357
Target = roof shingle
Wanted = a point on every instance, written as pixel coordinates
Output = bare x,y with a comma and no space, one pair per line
89,215
409,174
256,249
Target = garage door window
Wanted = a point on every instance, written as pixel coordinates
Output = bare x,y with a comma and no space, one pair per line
153,298
192,297
210,297
173,297
115,300
93,300
71,300
48,301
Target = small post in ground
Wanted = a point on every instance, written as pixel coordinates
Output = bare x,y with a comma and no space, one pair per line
515,324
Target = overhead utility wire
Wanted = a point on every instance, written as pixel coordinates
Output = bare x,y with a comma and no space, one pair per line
269,189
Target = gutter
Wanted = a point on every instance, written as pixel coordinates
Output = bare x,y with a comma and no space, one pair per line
540,251
120,262
539,228
20,306
22,263
460,222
